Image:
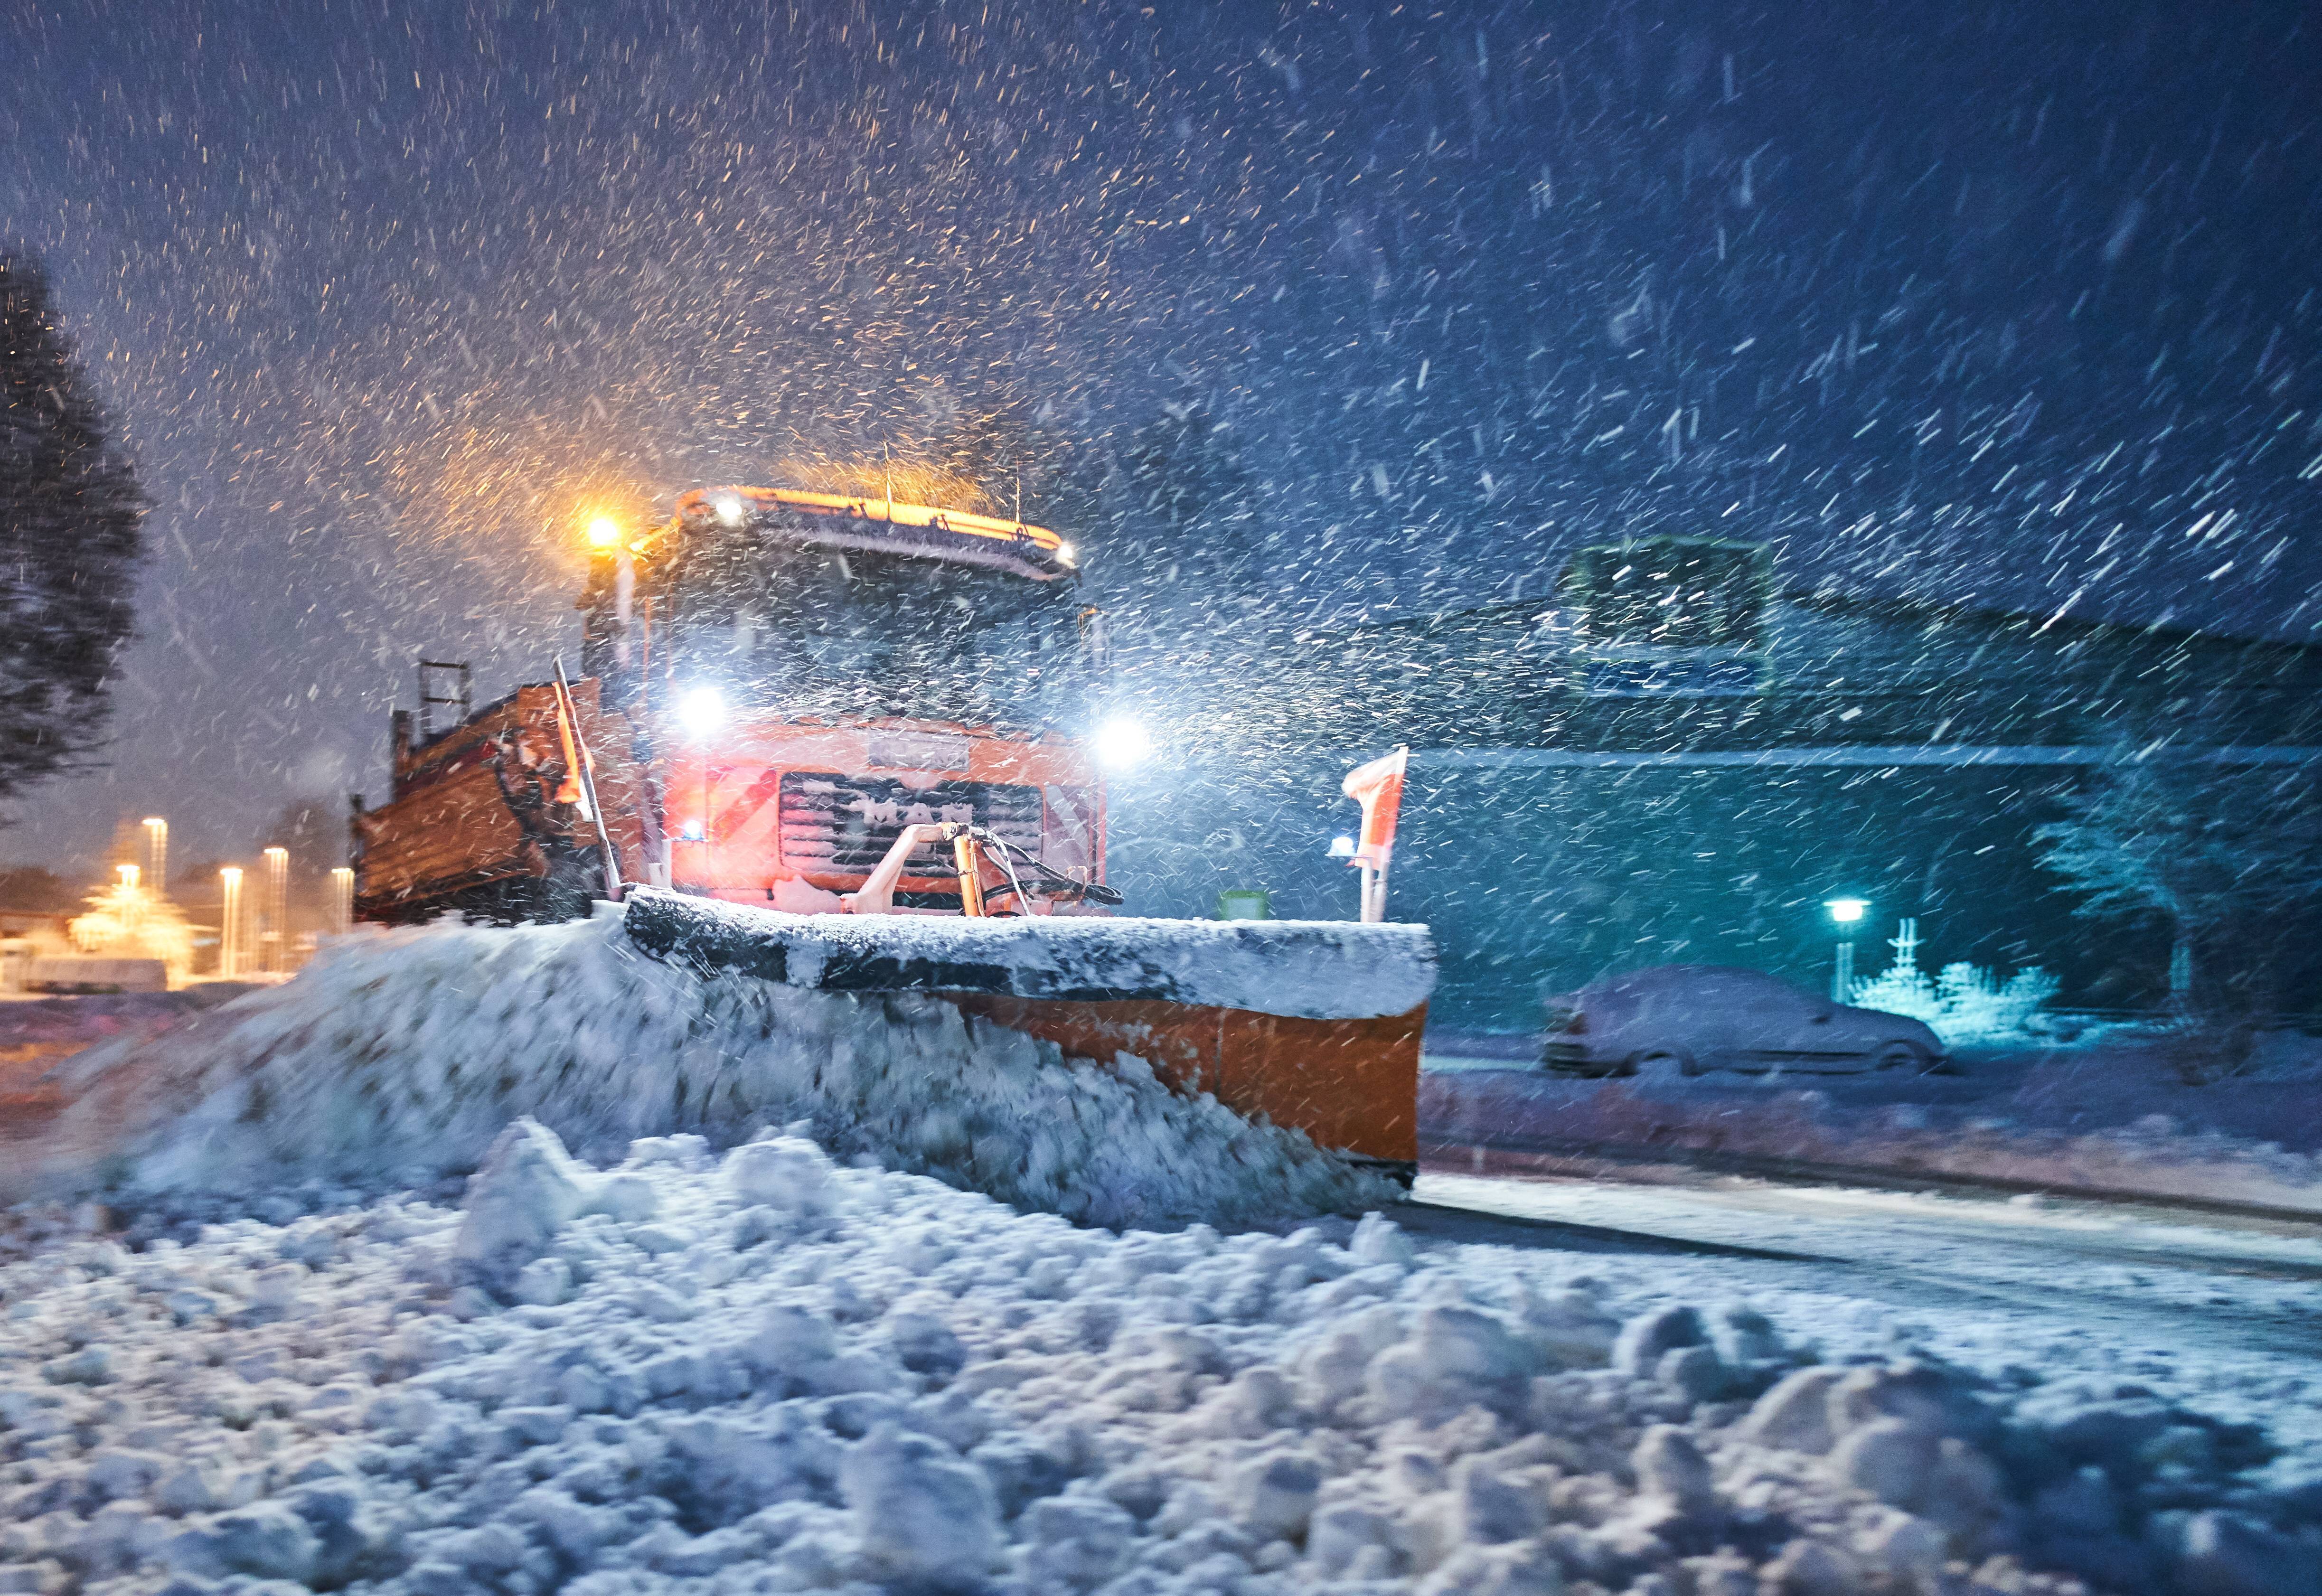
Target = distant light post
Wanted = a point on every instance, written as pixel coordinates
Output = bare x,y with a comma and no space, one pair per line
276,936
156,854
343,900
230,922
1846,913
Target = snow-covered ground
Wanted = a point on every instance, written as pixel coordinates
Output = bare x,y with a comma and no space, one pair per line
291,1350
2115,1111
763,1371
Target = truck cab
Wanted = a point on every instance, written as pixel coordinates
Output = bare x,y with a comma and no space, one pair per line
775,682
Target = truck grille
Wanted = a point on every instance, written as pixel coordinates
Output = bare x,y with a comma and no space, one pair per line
843,826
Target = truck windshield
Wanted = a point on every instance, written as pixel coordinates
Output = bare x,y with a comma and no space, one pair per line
862,632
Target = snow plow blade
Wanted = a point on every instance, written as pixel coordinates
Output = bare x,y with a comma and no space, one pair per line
1314,1023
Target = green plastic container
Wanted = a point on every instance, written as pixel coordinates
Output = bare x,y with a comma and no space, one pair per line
1245,903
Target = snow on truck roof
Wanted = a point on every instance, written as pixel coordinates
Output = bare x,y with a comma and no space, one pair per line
730,504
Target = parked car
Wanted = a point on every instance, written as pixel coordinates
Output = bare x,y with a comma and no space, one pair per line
1683,1020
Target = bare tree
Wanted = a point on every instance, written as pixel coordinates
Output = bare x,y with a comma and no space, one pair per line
69,541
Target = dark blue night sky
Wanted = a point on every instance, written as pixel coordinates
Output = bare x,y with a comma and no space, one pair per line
1989,303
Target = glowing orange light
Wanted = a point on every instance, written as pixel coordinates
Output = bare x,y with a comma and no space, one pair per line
604,531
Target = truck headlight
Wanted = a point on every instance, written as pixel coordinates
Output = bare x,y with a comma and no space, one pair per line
701,711
1121,742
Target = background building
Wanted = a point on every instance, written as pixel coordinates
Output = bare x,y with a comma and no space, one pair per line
1671,758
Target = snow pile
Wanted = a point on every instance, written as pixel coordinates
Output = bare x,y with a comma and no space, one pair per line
1963,1005
769,1373
2115,1118
401,1055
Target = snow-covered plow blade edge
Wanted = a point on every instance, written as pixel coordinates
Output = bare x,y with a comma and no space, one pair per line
1313,1024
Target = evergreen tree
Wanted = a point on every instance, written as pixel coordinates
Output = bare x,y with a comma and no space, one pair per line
69,541
37,888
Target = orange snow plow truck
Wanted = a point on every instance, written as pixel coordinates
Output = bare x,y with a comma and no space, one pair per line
843,744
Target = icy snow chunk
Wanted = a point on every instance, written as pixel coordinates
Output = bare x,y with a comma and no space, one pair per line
1333,1369
1496,1505
1810,1568
1352,1540
1693,1372
1076,1542
91,1365
267,1540
923,1342
1275,1494
921,1515
1922,1395
626,1197
1966,1494
123,1473
1743,1336
1642,1341
1889,1458
1910,1550
680,1149
276,1290
185,1305
1378,1239
198,1485
658,1240
527,1189
119,1536
1669,1466
1456,1358
790,1340
544,1282
535,1427
1796,1414
1524,1569
1255,1401
787,1173
1568,1327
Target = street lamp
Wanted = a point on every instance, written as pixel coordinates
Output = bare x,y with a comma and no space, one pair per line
342,899
230,921
156,854
1847,913
276,938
